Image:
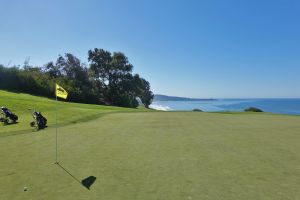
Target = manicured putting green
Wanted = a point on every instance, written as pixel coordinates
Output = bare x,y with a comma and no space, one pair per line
156,155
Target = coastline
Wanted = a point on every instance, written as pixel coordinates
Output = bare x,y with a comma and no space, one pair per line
289,106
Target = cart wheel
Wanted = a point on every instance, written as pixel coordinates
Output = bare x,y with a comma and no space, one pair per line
32,124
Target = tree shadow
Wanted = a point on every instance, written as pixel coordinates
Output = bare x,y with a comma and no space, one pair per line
87,182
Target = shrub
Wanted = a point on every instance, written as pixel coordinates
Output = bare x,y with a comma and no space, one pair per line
197,110
253,109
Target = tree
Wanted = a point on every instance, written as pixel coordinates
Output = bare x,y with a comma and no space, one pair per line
119,68
100,64
114,73
143,90
53,70
108,79
72,67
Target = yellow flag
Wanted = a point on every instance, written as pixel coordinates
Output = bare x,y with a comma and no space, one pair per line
61,92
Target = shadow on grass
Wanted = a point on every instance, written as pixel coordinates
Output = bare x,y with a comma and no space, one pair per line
10,123
87,182
36,129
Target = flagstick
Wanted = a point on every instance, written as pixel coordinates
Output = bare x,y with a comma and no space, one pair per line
56,162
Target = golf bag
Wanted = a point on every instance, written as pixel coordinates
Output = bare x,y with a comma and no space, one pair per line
40,120
8,116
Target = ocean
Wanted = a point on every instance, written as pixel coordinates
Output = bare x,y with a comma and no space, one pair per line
280,106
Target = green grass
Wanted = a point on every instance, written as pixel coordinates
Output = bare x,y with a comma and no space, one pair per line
67,112
157,155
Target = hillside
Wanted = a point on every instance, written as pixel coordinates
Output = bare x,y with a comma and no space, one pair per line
67,113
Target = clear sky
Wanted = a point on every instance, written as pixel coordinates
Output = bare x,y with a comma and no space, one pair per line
205,48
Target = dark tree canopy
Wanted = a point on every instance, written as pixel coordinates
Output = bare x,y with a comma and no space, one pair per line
114,72
107,79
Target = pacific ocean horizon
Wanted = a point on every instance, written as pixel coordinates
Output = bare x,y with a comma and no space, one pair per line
289,106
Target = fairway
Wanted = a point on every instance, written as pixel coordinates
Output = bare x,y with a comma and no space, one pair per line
157,155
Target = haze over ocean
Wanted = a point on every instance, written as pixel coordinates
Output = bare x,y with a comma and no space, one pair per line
280,106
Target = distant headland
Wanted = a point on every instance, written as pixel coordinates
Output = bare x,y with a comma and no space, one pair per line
160,97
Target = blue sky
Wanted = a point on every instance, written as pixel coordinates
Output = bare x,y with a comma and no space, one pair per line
207,49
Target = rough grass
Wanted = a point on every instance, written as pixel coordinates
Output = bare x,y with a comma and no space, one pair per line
67,112
157,155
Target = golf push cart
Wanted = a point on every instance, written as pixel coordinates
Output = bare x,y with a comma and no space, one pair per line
8,116
40,121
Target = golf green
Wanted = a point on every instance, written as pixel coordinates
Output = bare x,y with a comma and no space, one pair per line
156,155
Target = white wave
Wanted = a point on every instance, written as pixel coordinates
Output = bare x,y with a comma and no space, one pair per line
160,107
